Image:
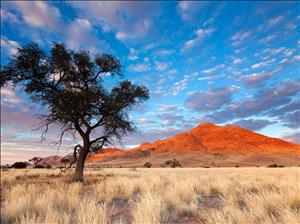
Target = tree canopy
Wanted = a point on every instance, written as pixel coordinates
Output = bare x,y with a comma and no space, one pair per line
70,85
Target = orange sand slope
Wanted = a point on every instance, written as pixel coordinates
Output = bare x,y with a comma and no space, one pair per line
205,145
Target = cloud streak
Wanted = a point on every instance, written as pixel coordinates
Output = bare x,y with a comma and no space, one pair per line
211,99
201,35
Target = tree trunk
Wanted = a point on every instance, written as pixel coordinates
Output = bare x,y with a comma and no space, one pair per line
78,175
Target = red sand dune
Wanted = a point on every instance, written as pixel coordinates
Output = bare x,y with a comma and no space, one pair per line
105,153
203,143
211,138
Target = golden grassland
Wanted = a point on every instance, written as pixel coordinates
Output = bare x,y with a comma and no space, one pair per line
156,195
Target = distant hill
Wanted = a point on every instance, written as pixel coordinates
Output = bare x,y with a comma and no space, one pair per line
206,145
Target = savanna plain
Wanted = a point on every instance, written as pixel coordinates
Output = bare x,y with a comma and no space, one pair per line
154,195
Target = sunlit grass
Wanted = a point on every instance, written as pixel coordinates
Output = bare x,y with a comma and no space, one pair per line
159,195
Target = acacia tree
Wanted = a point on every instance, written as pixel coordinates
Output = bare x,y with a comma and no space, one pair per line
69,84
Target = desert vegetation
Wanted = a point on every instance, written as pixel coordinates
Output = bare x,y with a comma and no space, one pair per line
156,195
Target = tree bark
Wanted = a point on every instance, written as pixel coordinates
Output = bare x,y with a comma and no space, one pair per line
78,175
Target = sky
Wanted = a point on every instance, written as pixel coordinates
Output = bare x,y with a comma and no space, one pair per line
229,63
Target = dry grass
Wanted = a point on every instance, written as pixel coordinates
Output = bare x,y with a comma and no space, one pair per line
159,195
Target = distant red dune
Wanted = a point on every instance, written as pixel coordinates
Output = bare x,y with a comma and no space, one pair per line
207,144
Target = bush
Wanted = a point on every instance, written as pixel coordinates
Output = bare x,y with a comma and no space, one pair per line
148,165
19,165
274,165
171,163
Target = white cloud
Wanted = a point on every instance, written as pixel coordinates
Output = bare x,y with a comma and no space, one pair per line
255,79
133,55
258,65
262,64
158,93
209,78
8,16
141,28
291,26
210,70
129,20
9,45
293,59
284,60
139,67
181,85
149,46
240,37
160,66
275,21
144,121
9,96
38,14
188,9
172,73
288,52
201,34
42,15
237,61
211,99
168,123
269,51
237,51
268,38
164,52
80,33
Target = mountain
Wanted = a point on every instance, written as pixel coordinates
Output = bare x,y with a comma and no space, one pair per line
211,138
207,145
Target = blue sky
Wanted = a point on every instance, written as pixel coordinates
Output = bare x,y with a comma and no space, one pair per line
221,62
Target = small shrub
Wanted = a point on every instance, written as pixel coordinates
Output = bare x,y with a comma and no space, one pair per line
19,165
274,165
171,163
148,165
175,163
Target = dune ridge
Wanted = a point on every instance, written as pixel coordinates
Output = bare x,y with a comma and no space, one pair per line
207,143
